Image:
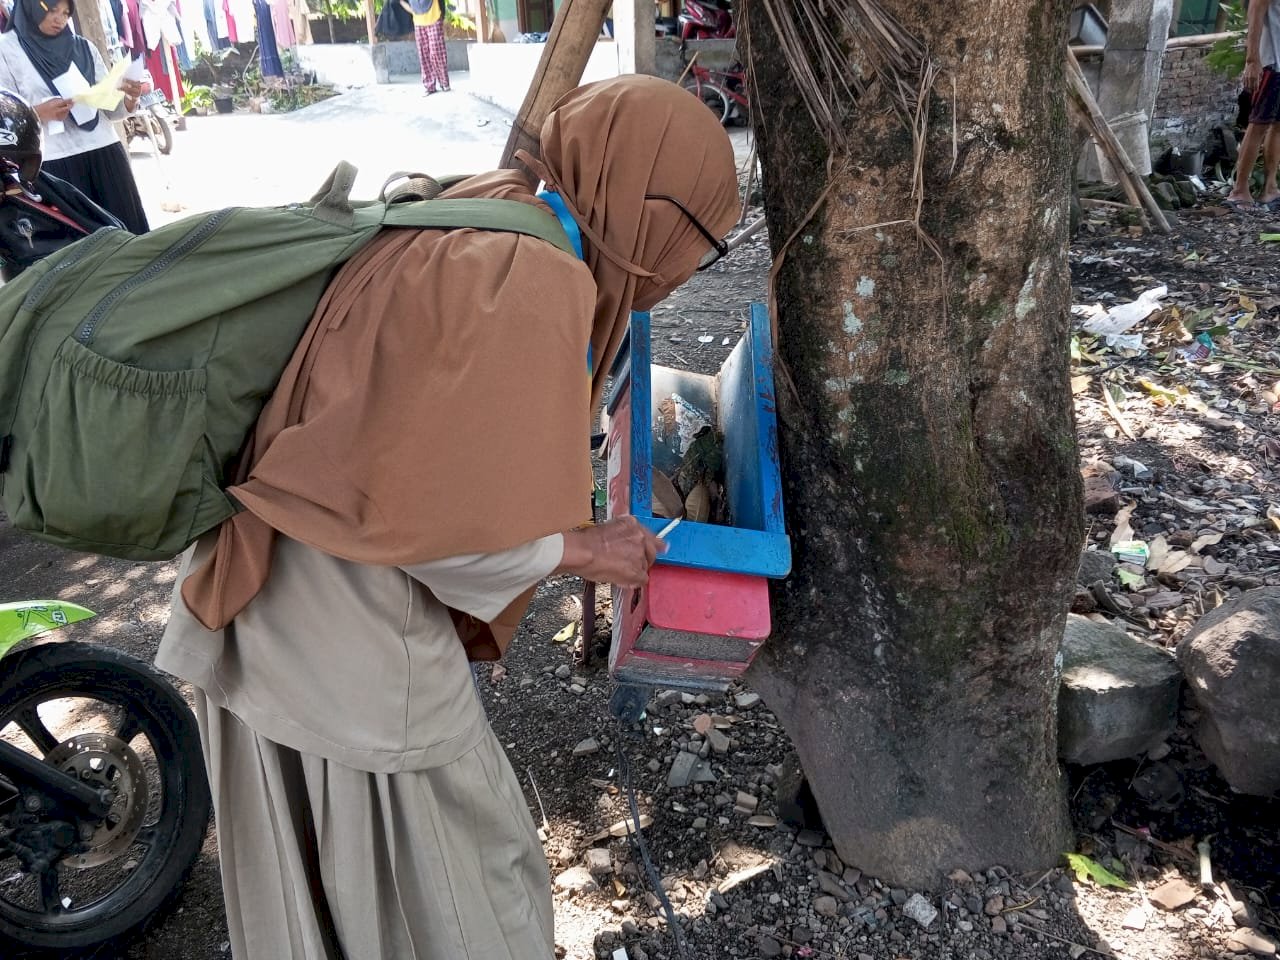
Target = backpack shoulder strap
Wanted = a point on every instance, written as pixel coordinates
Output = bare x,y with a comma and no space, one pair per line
480,213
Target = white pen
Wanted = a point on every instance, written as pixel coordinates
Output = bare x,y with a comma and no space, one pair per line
669,527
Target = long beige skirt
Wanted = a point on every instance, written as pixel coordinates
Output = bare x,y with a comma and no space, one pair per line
323,862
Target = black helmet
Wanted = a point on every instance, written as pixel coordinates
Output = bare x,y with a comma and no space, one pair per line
20,136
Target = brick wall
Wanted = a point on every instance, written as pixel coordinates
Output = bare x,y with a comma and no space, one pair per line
1193,100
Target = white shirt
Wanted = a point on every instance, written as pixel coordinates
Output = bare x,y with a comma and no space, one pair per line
19,75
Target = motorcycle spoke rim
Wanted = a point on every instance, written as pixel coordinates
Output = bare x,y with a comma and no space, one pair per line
29,722
50,892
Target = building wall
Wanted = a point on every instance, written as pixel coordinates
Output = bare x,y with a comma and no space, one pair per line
1193,100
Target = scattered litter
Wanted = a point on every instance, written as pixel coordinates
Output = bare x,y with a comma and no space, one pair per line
706,338
1131,551
1201,349
1112,324
566,633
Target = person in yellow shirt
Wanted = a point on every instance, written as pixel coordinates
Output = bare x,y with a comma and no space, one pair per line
428,29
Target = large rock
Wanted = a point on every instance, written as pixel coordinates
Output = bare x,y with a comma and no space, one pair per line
1119,696
1231,659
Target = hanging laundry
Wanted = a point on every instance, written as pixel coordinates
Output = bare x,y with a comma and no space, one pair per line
216,24
160,22
298,15
232,33
283,26
133,21
270,56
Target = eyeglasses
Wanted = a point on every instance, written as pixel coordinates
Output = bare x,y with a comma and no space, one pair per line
718,247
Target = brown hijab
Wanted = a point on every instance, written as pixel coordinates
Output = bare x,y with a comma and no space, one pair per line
438,403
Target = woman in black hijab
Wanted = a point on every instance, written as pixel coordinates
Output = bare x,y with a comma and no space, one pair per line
39,48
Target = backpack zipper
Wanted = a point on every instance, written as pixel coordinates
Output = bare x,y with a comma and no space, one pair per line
36,294
172,255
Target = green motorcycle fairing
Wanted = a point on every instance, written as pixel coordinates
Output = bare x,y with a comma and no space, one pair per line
30,618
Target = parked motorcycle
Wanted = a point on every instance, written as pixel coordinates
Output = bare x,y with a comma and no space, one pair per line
153,119
706,20
104,802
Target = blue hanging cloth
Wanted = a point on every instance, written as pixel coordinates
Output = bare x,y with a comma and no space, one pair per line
271,65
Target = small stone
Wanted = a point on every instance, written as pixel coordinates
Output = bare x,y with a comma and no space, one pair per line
719,742
681,773
898,896
993,906
1077,951
653,766
630,929
964,926
577,689
667,698
998,925
563,672
576,880
1172,895
699,823
920,910
801,935
701,870
599,862
745,701
702,723
580,681
810,838
959,876
851,876
587,746
826,907
1245,939
769,947
763,821
745,803
1135,919
828,884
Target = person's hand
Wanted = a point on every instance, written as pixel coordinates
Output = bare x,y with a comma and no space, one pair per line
131,88
1252,75
55,109
620,552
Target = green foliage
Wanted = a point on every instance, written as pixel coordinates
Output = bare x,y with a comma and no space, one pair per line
197,97
1086,869
296,97
1227,55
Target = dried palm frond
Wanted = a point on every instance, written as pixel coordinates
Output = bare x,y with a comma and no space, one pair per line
838,50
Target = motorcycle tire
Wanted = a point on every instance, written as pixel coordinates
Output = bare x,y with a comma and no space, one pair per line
170,830
161,133
715,98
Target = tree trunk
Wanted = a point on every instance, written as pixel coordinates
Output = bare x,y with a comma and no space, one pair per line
929,449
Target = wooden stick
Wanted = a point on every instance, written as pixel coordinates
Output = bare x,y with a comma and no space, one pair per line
1079,90
573,37
1089,203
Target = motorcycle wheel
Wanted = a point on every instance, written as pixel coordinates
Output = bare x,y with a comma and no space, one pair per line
160,132
712,96
112,718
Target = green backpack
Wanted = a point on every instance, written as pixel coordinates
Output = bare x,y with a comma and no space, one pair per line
132,369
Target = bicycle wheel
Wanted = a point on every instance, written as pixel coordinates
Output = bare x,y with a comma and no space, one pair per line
710,94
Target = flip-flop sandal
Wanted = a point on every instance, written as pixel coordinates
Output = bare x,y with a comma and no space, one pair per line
1242,206
1271,206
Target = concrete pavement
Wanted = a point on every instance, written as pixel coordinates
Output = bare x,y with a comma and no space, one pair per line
268,159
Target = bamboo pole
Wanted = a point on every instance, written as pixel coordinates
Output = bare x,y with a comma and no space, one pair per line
370,21
1134,186
573,37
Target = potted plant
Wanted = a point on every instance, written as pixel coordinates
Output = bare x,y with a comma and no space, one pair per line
223,98
197,100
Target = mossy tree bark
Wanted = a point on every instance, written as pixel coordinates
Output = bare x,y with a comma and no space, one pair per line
929,450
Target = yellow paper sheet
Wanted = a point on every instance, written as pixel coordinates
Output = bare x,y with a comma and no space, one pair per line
106,93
